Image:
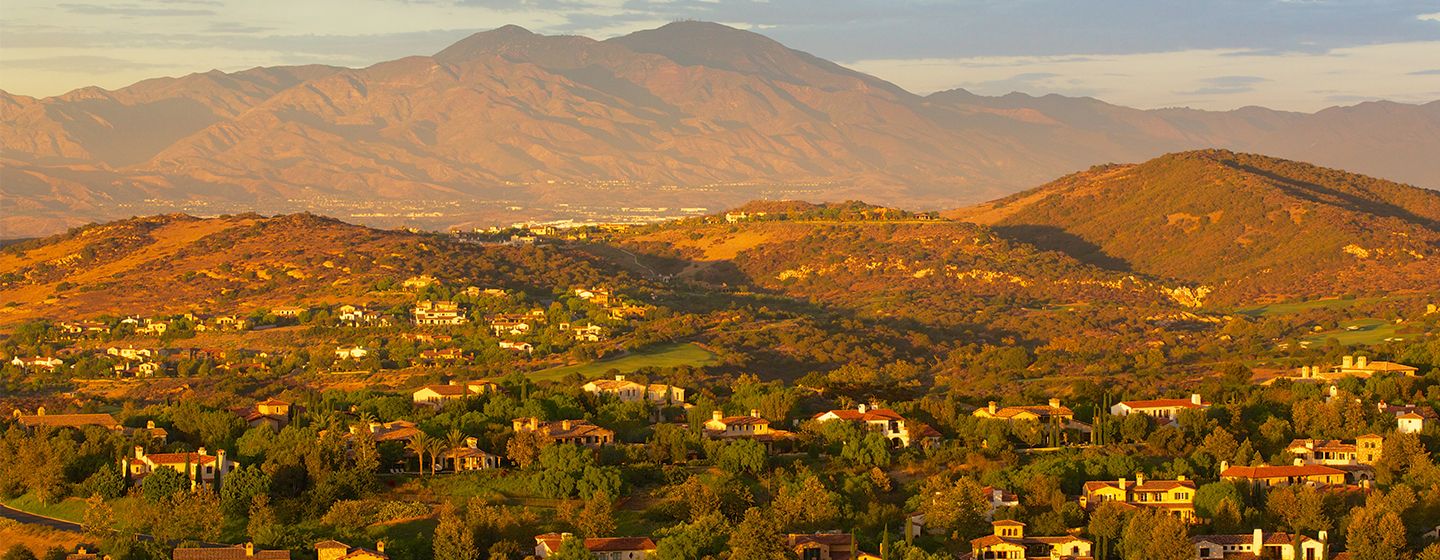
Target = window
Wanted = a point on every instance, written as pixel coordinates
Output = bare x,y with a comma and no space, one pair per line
811,554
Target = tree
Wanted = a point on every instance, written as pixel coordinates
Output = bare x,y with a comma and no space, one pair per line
1106,524
264,526
1299,509
99,518
1375,533
453,538
956,509
571,548
162,483
872,449
757,538
741,456
524,447
241,487
1153,534
419,445
18,552
597,519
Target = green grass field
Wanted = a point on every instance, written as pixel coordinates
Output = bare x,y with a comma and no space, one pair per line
1365,331
69,509
660,355
1298,306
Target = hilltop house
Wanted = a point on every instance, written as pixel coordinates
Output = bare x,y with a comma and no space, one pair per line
437,395
1410,419
1365,450
246,551
37,362
470,457
578,432
512,325
753,427
888,423
77,421
1174,496
1258,544
600,297
439,313
995,497
336,550
397,430
442,355
357,316
1008,540
200,466
826,546
1267,476
350,352
1162,410
610,548
630,391
289,311
525,347
1053,412
271,412
588,333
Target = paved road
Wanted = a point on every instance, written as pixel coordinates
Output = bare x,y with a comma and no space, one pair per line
8,512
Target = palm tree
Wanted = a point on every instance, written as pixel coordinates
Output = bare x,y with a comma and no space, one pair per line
455,440
419,445
436,449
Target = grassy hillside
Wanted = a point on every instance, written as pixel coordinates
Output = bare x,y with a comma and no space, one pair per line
1254,227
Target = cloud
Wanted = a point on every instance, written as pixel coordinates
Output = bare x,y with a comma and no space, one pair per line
1430,72
79,64
135,10
1429,17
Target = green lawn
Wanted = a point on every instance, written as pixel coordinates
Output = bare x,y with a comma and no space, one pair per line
1363,331
1298,306
69,509
660,355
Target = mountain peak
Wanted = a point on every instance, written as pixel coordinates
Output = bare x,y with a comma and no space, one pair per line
493,41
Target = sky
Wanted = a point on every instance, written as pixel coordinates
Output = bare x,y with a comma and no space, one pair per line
1300,55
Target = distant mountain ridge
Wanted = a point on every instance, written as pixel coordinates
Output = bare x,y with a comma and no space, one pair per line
1250,227
680,114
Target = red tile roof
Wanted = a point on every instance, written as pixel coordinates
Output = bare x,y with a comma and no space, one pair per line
1280,471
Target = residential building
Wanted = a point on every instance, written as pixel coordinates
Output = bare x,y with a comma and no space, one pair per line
996,497
155,434
289,311
442,355
81,553
271,412
1266,476
438,313
200,467
1365,450
588,333
525,347
609,548
512,325
1008,540
898,431
1410,418
630,391
350,352
1162,410
1259,544
437,395
470,457
245,551
37,362
578,432
397,430
832,545
1175,496
753,427
77,421
1362,367
336,550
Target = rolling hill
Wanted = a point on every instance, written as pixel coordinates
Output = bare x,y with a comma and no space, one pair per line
1250,226
689,114
235,264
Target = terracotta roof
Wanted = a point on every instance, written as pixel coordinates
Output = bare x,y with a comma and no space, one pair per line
1038,410
743,420
229,553
874,414
1162,485
179,458
69,420
1280,471
553,541
272,402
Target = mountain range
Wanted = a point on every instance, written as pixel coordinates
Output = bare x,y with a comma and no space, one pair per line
689,114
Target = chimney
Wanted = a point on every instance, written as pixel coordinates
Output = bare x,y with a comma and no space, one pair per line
565,425
40,411
380,546
1123,483
1180,478
993,408
149,424
1361,362
1195,399
1257,542
862,408
81,551
534,423
716,415
1323,536
1139,479
1054,403
1299,462
249,549
472,442
201,452
453,382
1224,466
220,460
1347,362
754,413
139,452
1334,391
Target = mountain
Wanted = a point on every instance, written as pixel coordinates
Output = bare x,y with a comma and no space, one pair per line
691,114
1250,227
235,264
